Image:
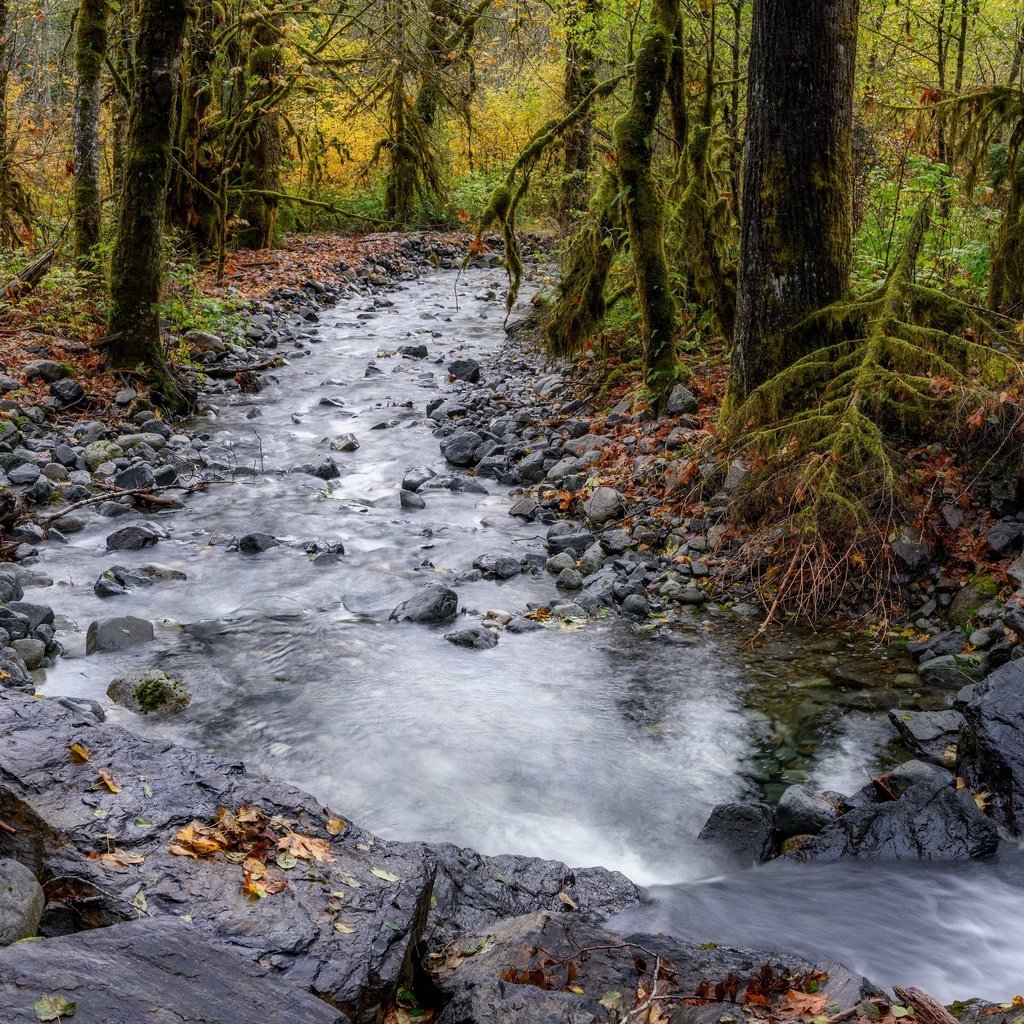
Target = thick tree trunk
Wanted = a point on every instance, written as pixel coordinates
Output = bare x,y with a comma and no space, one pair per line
136,272
796,247
1006,281
645,206
580,78
90,50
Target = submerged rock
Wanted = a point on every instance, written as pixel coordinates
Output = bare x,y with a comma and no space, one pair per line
118,634
479,638
745,831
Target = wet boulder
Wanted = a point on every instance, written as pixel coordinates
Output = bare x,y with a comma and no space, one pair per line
257,543
533,968
465,369
604,505
434,603
118,633
991,750
802,811
340,917
746,831
21,903
410,501
119,580
477,638
149,692
134,538
498,567
461,448
932,735
932,820
156,970
952,671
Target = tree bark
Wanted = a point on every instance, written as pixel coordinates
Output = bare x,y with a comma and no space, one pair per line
645,206
580,78
90,51
796,243
136,271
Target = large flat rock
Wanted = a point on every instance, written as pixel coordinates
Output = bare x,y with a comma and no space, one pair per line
555,969
344,927
104,849
159,970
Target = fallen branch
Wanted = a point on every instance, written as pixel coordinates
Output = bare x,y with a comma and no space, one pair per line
227,372
107,492
25,280
926,1010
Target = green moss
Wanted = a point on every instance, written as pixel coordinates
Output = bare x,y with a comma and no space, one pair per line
983,585
160,693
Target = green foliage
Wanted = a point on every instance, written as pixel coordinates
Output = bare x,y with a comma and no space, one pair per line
185,307
823,434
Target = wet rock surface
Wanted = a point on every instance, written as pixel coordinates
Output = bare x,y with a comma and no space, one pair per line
158,969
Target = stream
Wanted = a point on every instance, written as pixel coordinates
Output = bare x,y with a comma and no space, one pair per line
606,744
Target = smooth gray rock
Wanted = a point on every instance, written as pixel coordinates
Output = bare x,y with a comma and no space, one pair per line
952,671
134,538
118,634
31,651
802,811
745,830
465,369
434,603
410,500
498,567
604,505
461,447
21,905
681,401
45,369
158,970
256,543
479,638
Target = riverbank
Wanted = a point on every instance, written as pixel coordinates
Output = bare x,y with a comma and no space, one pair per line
326,543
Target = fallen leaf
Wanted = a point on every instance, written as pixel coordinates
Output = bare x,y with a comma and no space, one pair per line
79,754
343,926
804,1004
386,875
108,780
53,1008
568,900
116,859
335,826
306,847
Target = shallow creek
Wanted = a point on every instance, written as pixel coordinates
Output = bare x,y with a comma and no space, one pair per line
600,745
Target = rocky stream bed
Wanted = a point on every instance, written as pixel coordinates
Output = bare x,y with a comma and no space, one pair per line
355,574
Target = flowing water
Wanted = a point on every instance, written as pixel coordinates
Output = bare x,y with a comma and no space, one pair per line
605,745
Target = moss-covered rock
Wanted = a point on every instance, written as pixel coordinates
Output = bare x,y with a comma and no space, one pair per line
149,692
977,591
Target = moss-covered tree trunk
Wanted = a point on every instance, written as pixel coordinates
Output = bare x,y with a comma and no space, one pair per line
796,248
1006,282
90,51
580,77
264,148
136,272
645,207
193,204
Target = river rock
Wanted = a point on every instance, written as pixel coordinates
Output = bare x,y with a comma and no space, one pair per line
949,641
479,638
802,811
933,820
68,393
604,505
21,905
465,369
154,970
461,447
416,477
256,543
149,692
681,401
45,369
98,452
118,634
135,477
134,538
519,971
118,580
745,831
31,651
498,567
991,749
434,603
568,536
931,734
410,500
951,671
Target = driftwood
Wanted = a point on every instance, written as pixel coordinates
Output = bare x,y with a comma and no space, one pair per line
926,1010
142,493
227,372
25,280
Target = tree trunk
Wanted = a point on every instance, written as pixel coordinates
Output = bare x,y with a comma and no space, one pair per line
645,206
90,50
136,273
580,78
796,245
